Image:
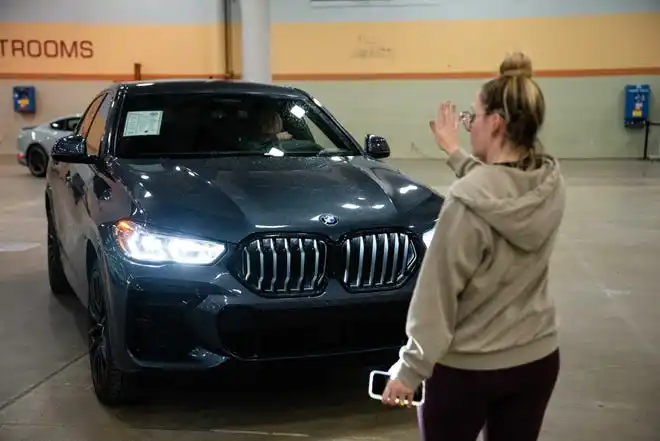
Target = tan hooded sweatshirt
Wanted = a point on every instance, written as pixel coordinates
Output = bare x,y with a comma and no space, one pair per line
481,301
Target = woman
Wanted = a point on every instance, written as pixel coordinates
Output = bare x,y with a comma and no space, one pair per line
481,324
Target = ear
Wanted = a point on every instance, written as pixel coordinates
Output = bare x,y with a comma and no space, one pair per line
497,124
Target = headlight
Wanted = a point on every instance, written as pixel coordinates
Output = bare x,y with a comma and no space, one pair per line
428,237
142,245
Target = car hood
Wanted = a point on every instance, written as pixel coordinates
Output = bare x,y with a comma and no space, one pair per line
230,198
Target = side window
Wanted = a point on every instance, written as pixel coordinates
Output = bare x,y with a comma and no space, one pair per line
307,127
97,128
71,124
320,138
60,124
89,115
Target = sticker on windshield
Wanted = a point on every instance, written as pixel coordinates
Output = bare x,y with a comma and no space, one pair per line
143,123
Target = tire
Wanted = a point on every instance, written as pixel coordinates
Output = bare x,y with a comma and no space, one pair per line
37,160
59,285
111,386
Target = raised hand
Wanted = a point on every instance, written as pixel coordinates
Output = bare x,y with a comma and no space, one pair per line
445,127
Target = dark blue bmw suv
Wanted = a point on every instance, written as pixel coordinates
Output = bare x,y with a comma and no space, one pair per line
202,222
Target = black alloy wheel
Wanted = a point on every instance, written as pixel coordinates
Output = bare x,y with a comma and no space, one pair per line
98,354
37,161
59,284
112,386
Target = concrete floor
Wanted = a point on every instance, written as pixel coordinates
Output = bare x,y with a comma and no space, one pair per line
605,278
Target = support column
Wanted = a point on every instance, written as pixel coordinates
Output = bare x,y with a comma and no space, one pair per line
255,40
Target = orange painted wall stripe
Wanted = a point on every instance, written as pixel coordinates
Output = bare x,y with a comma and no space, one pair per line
102,77
559,46
178,50
468,75
342,77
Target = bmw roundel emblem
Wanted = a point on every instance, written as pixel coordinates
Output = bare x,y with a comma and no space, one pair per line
328,219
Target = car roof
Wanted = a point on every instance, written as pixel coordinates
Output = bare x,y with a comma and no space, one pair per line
208,86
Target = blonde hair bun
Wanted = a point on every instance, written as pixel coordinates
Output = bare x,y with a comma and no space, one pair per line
516,64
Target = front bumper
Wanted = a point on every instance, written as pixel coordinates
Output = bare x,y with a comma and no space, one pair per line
197,318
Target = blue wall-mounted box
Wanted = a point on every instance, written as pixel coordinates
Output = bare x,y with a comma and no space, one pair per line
638,97
25,99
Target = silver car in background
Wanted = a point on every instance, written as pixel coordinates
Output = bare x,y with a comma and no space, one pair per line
35,142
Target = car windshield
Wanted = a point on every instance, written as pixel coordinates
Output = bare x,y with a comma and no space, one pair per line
212,124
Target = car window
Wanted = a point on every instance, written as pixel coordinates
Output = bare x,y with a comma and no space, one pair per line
71,124
226,124
60,124
318,135
83,127
65,124
97,128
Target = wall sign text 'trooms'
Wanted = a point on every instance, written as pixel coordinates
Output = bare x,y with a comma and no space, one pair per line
61,49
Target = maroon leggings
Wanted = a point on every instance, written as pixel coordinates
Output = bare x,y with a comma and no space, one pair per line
509,404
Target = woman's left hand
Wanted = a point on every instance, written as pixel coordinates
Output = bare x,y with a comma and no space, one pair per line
397,394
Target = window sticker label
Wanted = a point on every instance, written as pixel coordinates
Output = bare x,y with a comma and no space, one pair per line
143,123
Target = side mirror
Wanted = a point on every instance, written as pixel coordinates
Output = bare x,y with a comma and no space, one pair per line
71,149
376,146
